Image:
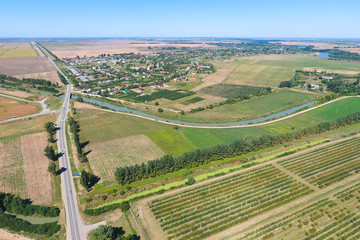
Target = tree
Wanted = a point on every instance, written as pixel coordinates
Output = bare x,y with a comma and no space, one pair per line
84,179
52,168
160,110
80,99
50,153
124,206
182,112
157,104
190,181
50,127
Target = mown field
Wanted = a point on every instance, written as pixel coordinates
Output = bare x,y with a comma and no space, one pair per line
171,141
24,167
207,210
131,150
270,70
256,107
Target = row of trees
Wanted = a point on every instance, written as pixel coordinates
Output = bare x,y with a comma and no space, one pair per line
75,129
14,204
168,163
40,84
49,151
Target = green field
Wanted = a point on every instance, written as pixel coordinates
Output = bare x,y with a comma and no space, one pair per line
270,70
54,103
211,137
256,107
99,126
171,141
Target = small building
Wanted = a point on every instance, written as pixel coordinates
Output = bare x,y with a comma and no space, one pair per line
327,78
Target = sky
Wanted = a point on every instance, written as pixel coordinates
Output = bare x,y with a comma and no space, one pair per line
180,18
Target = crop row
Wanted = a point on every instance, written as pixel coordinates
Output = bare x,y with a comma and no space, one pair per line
320,151
337,174
322,220
327,165
213,207
210,186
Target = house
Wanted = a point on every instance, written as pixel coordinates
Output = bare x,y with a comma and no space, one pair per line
327,78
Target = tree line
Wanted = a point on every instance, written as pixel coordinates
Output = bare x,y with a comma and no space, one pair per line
40,84
75,129
14,204
49,151
167,164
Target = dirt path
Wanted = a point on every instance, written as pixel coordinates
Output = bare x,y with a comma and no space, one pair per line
149,222
293,175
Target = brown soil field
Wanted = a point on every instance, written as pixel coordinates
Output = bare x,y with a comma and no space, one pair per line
84,105
11,164
51,76
331,71
28,65
68,49
5,235
10,108
121,152
21,94
38,179
317,45
352,50
218,77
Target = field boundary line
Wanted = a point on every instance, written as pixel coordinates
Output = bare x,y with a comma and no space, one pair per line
137,224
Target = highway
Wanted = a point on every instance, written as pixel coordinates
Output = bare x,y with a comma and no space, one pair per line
75,229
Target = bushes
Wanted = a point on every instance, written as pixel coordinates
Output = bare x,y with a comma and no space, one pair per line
17,205
234,90
164,93
106,232
168,163
18,225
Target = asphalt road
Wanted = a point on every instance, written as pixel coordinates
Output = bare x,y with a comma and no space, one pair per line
68,190
75,229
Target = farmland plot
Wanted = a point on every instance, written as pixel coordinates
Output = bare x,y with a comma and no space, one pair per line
327,165
12,178
37,177
127,151
325,219
202,211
